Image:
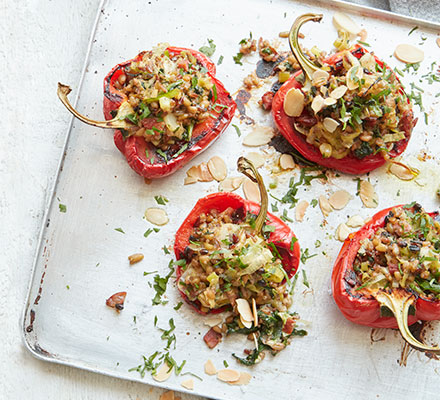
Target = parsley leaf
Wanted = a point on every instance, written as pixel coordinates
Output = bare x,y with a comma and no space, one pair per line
208,50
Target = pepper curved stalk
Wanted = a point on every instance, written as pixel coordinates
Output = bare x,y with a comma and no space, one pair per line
368,307
144,157
287,125
281,236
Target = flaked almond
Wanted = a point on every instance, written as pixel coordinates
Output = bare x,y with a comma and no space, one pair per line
169,395
157,216
355,221
343,22
354,75
367,61
254,311
203,173
342,232
193,172
286,162
163,373
245,378
329,101
368,195
251,191
317,104
230,184
294,102
244,309
330,124
135,258
228,375
402,171
217,168
210,368
212,320
255,158
189,180
338,92
438,41
409,54
320,77
324,205
300,129
300,210
339,199
260,136
188,384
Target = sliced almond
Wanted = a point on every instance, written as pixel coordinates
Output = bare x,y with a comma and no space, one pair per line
330,124
317,104
320,77
188,384
163,373
260,136
409,54
189,180
287,162
203,173
342,232
294,102
228,375
244,309
363,35
329,101
169,395
338,92
300,210
212,320
157,216
339,199
357,72
254,311
324,205
251,191
193,172
438,41
367,61
210,368
368,195
217,168
300,129
230,184
343,22
355,221
255,158
402,171
245,378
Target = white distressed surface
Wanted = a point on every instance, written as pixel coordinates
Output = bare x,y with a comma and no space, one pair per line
41,42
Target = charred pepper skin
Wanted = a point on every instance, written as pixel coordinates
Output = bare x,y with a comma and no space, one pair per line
134,148
349,164
281,237
357,307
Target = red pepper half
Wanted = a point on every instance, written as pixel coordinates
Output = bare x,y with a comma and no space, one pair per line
349,164
135,148
366,310
281,237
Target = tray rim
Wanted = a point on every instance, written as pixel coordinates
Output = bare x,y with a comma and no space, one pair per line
53,358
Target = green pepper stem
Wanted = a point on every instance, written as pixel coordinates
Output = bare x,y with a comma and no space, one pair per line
399,302
243,165
306,65
115,123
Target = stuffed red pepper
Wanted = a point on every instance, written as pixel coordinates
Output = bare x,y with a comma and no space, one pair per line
166,107
350,113
387,275
239,257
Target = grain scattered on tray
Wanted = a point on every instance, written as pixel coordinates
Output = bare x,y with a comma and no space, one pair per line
163,373
210,368
188,384
409,54
157,216
135,258
339,199
342,232
256,158
286,162
228,375
251,191
368,195
355,221
245,378
324,205
300,210
260,136
217,168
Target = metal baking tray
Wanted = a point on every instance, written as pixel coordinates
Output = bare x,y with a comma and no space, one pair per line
82,259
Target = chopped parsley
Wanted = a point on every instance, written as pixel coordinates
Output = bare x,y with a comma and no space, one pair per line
237,129
237,58
208,50
162,200
220,60
119,230
62,208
